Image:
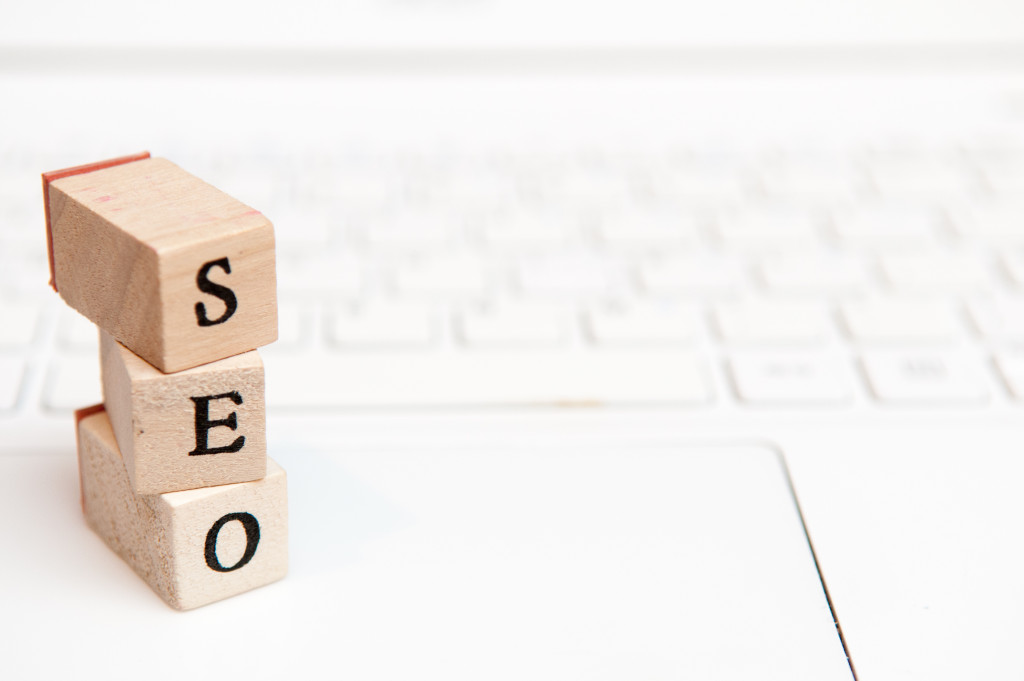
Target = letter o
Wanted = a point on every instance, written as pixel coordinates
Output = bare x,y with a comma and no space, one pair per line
252,540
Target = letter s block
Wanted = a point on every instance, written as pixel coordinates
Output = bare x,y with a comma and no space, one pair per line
176,270
194,428
193,547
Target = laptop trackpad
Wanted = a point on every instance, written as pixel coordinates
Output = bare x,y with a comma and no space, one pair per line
616,563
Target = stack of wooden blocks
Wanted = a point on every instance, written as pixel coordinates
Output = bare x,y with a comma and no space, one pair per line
180,279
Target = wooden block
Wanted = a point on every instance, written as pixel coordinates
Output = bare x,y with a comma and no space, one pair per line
195,428
192,547
175,269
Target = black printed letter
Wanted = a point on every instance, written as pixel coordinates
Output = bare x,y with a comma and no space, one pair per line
252,540
204,424
222,292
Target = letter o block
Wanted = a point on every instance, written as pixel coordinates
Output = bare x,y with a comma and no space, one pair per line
193,547
173,268
195,428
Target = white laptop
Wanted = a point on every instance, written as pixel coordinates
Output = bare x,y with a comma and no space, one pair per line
632,341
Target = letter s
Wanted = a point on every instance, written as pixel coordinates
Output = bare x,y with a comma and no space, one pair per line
222,292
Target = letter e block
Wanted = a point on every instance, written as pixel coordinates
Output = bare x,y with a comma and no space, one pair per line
193,547
195,428
175,269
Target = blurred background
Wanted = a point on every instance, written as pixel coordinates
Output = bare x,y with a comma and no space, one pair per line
792,221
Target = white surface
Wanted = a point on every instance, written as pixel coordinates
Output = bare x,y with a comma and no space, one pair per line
580,562
923,377
523,23
793,378
913,511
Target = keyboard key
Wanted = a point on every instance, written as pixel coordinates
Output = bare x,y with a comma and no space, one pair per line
771,323
410,230
12,371
528,229
445,276
643,325
1001,320
935,272
653,228
491,378
567,275
702,184
382,325
897,321
790,379
1000,222
1013,266
480,189
767,229
924,378
931,178
1011,368
19,324
333,274
73,383
507,325
1006,178
812,182
813,273
886,225
690,276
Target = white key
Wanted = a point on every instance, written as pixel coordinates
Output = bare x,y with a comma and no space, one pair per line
885,225
358,191
652,228
771,323
492,378
582,187
410,230
482,189
1013,266
924,377
922,179
78,334
1001,320
690,276
926,272
896,321
1006,178
790,379
73,383
17,324
701,183
644,325
12,371
767,229
1000,222
508,325
1011,368
566,275
335,274
813,182
813,273
528,229
382,325
455,275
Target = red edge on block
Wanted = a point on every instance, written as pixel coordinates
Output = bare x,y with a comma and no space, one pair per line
79,415
68,172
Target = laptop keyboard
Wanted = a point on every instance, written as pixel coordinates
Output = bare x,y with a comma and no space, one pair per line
768,278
